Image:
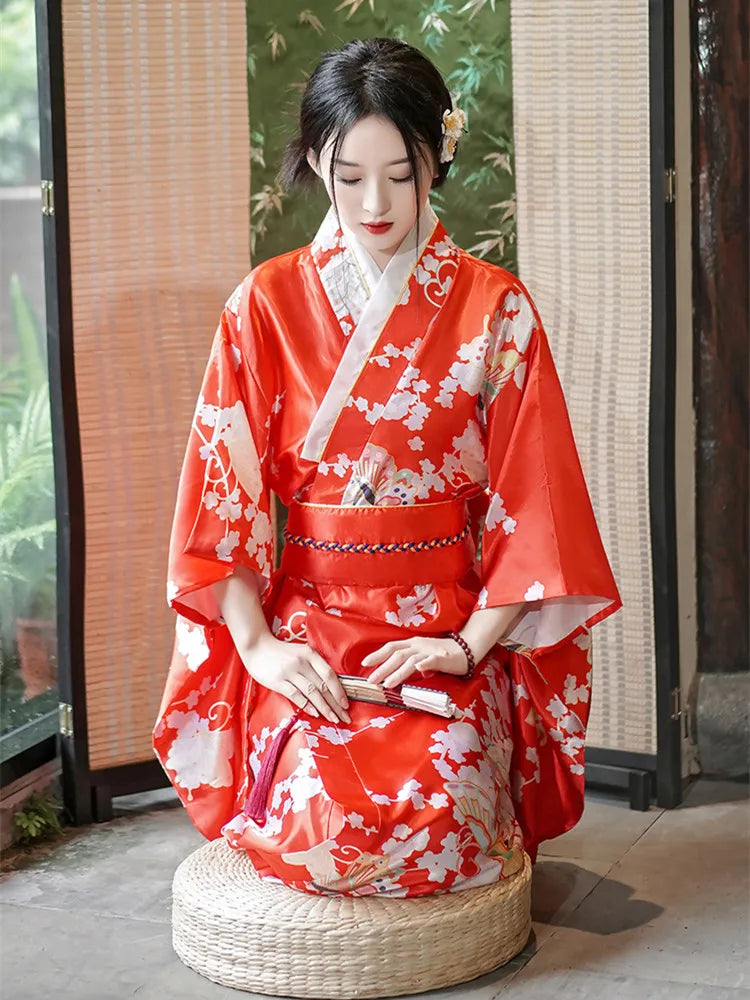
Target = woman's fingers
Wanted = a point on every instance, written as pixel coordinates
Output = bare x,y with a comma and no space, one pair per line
304,692
407,668
395,660
330,680
379,655
311,686
297,698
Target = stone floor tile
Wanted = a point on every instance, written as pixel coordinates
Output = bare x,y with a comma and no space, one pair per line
530,984
80,956
712,791
122,868
607,829
482,988
140,802
558,887
674,908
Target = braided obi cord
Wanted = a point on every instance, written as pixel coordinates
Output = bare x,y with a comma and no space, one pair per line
428,544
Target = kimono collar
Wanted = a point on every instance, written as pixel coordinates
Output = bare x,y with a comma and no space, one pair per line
366,264
408,293
350,276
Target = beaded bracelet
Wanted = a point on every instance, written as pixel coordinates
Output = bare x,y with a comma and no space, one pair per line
469,655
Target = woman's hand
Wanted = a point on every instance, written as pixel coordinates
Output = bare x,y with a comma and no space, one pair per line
291,668
400,659
300,674
396,661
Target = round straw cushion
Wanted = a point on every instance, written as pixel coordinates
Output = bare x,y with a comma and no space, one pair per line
259,935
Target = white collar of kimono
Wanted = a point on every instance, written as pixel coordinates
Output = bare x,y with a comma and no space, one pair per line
366,264
370,272
372,296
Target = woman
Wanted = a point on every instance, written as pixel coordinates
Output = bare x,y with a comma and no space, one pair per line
396,393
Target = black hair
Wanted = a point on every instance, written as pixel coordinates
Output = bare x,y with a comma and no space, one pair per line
373,76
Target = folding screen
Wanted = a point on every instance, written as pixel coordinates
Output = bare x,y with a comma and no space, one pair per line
157,164
589,138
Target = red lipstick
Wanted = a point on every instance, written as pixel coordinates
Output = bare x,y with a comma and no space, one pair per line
377,228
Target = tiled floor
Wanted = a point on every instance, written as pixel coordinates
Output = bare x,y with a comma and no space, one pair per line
627,906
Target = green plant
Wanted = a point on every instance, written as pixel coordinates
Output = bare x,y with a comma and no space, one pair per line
39,818
19,114
27,520
31,353
27,503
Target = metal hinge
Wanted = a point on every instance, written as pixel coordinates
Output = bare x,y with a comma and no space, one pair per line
65,719
676,704
670,185
48,198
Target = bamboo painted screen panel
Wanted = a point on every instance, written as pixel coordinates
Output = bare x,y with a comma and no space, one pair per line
158,163
582,151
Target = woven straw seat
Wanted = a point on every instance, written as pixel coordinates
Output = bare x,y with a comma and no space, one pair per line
261,936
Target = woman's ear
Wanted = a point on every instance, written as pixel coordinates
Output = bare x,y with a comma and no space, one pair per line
314,161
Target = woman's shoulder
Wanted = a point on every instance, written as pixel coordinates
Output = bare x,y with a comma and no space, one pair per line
499,292
491,278
269,274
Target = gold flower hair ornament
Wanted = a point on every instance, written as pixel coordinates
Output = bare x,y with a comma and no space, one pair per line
454,124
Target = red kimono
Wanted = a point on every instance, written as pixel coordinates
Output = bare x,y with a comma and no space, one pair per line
402,417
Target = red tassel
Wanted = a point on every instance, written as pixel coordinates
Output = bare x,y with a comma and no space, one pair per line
255,806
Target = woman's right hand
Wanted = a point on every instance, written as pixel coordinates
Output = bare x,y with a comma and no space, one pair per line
300,674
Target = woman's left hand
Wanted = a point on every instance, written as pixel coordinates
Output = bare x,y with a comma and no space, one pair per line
397,661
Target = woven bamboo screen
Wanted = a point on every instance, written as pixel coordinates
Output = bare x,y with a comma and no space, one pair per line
581,122
158,139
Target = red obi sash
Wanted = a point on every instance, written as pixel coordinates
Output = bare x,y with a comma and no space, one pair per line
379,546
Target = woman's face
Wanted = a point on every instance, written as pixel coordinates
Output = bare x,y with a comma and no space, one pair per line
374,184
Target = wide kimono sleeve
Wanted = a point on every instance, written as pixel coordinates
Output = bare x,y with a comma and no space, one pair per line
222,514
221,521
541,548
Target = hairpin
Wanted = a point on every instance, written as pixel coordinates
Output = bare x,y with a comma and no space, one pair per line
453,124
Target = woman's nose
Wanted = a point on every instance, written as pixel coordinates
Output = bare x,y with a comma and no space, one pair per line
375,199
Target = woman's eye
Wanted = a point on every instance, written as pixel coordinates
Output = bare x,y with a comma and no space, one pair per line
355,180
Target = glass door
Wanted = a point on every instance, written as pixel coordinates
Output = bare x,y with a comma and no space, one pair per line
28,634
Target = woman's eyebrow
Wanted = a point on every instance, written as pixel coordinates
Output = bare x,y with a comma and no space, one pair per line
348,163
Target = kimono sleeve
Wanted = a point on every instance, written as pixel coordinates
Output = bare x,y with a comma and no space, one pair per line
540,542
223,515
540,548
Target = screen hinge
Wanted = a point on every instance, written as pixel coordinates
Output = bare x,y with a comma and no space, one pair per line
670,185
65,715
48,198
676,704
